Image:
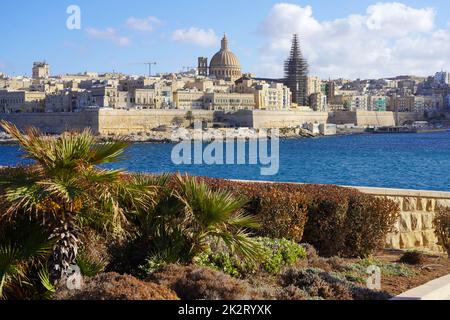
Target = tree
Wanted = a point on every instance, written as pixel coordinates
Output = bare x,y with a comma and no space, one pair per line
190,117
188,217
63,189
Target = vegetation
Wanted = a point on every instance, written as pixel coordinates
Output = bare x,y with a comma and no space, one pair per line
413,258
136,236
196,283
276,255
335,220
186,219
113,286
63,190
442,227
24,249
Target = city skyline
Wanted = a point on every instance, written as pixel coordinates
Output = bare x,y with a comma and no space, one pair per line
384,42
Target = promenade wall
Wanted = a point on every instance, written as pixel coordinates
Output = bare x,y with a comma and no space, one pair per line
414,228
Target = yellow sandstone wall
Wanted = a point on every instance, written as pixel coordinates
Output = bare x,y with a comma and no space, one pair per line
414,229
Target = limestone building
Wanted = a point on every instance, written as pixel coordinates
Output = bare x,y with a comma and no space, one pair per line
12,101
41,70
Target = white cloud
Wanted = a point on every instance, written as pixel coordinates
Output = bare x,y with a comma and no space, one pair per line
397,19
108,34
389,39
196,36
143,24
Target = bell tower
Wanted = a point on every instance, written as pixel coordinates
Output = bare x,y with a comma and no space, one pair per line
203,66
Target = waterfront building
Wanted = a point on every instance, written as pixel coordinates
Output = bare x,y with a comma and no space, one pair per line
296,74
188,100
130,84
359,102
41,70
377,103
61,101
268,96
229,101
314,85
146,99
224,64
318,102
16,101
401,103
202,85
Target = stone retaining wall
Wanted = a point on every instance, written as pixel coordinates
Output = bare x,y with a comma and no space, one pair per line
414,229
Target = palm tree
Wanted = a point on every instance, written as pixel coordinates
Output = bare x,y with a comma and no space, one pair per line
64,189
216,215
189,217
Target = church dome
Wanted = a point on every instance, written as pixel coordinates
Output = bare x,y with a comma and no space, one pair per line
224,63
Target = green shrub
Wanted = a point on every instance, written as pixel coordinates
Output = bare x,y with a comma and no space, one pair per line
89,266
442,227
359,270
276,254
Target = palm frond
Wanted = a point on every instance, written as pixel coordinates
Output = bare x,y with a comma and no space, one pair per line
44,277
107,152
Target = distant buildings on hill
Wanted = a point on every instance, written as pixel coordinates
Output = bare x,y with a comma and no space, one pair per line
221,85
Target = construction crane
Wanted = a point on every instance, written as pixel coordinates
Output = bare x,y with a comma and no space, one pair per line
149,64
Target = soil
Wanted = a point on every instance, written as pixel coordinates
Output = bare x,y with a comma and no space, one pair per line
434,267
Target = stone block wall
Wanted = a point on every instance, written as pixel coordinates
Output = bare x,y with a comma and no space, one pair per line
55,123
134,121
362,118
414,228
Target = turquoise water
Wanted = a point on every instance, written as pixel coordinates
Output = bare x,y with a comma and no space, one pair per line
409,161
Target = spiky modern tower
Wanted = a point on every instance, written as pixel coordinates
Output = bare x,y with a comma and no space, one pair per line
296,74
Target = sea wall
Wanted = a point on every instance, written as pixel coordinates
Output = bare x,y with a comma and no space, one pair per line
281,119
362,118
134,121
414,228
55,123
405,117
111,121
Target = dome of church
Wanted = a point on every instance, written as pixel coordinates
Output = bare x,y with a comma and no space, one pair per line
224,63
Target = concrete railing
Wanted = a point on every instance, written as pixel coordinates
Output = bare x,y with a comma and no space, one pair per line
438,289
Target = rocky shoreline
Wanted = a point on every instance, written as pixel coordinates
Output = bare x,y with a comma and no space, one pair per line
206,135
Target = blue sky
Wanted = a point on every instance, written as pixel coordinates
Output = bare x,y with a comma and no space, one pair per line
179,31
